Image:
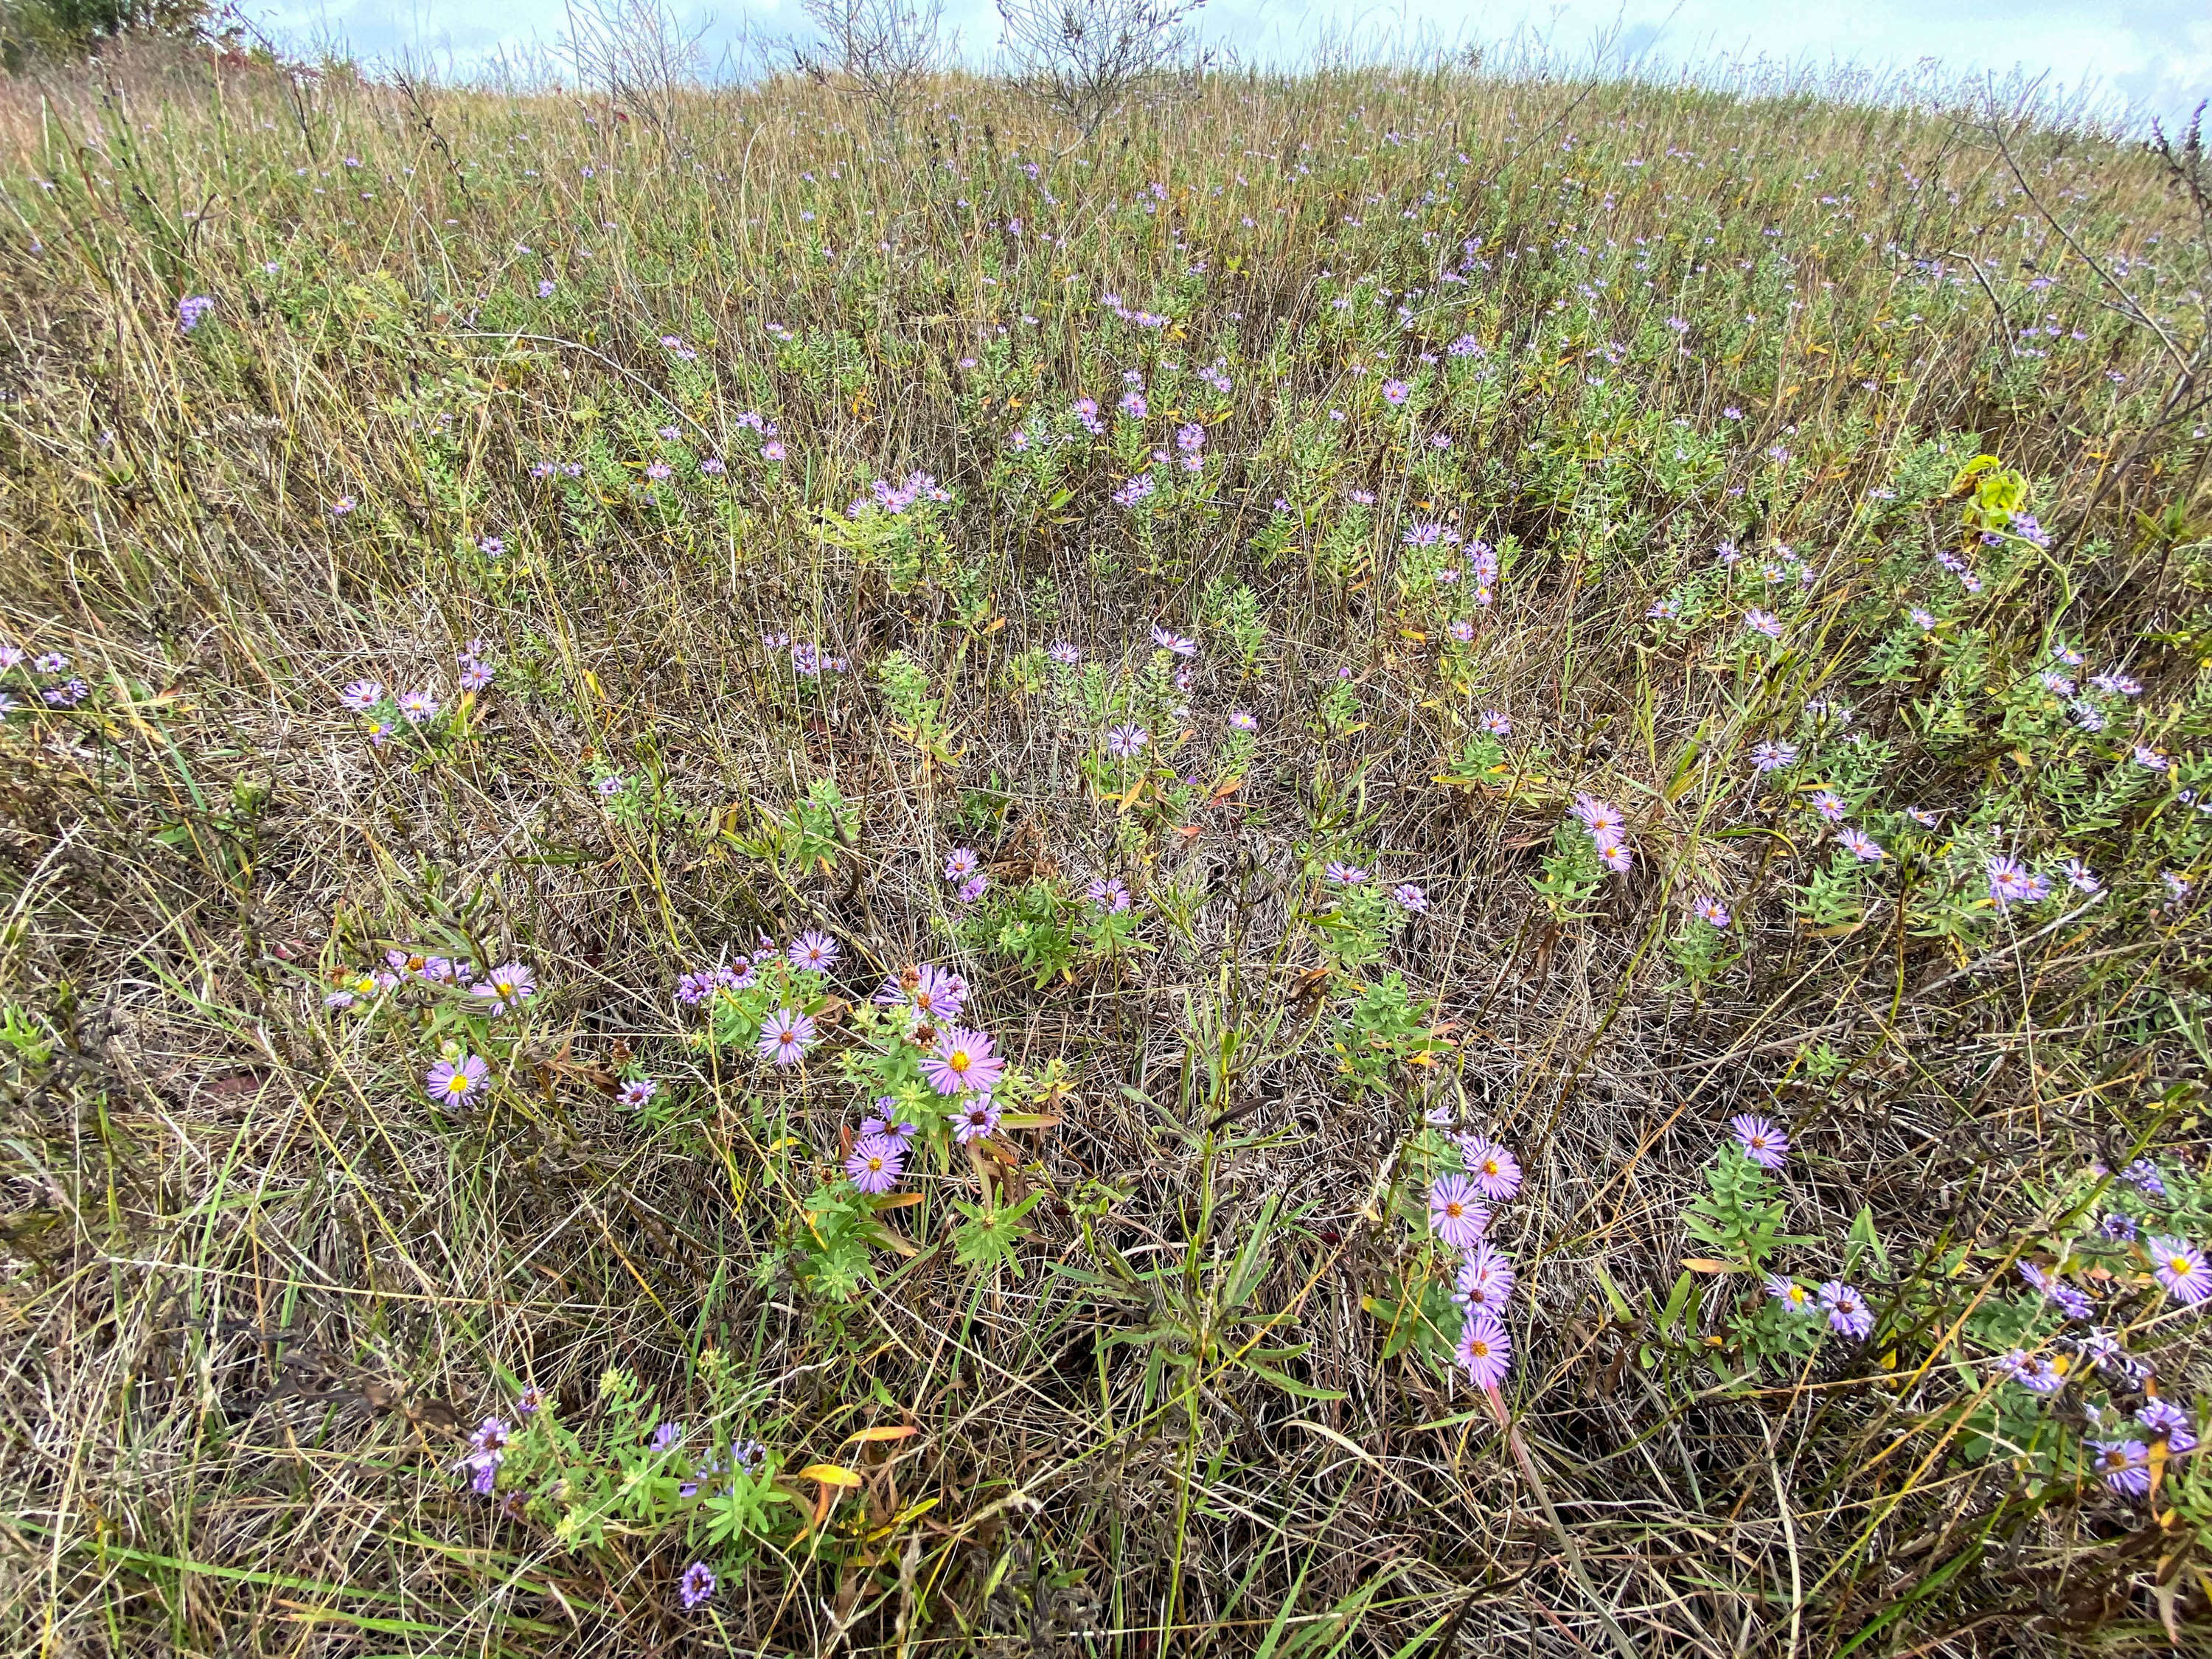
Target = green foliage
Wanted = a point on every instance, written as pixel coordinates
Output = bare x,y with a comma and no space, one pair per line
821,829
1380,1034
1739,1215
1571,877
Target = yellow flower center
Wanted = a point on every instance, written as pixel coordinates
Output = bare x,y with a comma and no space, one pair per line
1455,1209
457,1084
958,1059
2179,1264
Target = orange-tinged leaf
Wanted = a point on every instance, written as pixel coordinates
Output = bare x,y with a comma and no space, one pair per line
896,1431
1699,1264
829,1475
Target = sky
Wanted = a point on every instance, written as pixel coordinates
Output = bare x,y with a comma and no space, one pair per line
2155,55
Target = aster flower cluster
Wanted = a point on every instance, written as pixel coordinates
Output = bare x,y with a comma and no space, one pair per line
46,674
768,999
388,714
808,660
1740,1216
895,499
931,1076
1460,1215
2094,1363
965,869
1608,828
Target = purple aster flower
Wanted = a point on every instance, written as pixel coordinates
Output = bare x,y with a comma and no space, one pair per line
2163,1417
417,707
876,1163
1395,392
1711,911
490,1439
610,785
696,1585
1496,724
2031,1371
935,993
963,1060
530,1401
343,505
813,951
1763,622
973,1118
1861,846
2123,1465
1772,757
1344,875
1126,740
1456,1212
455,1080
666,1438
1485,1350
1793,1297
475,675
192,310
2101,1350
2113,684
1613,854
1410,897
1108,893
2118,1227
2143,1175
2081,878
961,864
1064,653
773,450
1847,1310
1243,720
1485,1280
361,696
2180,1266
785,1036
1495,1171
637,1091
2011,882
505,985
1601,819
1829,804
1167,640
1762,1140
659,471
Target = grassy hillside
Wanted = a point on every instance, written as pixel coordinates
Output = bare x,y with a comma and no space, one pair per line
1542,741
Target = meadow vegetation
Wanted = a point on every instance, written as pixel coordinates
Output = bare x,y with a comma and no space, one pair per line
1381,861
